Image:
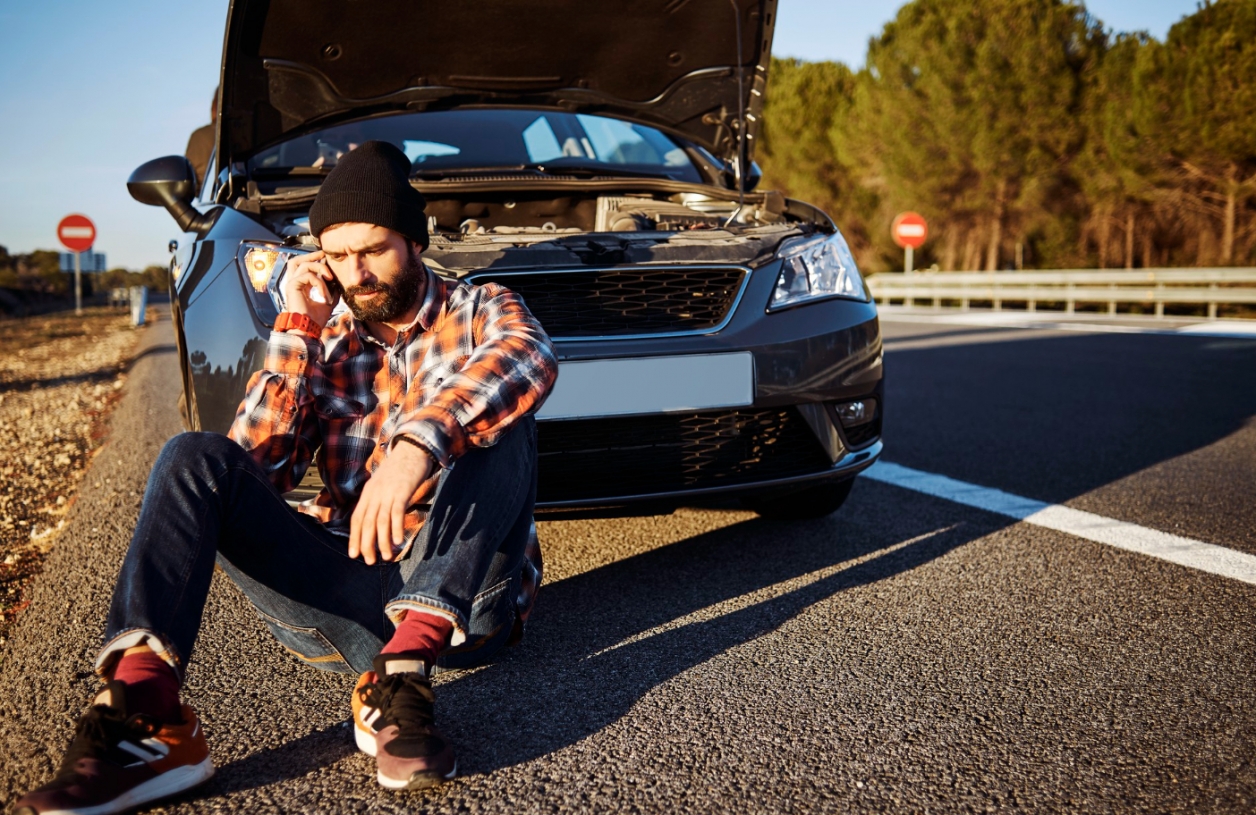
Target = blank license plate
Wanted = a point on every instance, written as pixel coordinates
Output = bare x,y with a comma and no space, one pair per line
588,389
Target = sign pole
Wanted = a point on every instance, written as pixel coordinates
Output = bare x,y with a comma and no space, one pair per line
77,233
78,285
908,259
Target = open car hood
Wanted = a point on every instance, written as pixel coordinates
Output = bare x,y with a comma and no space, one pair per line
291,66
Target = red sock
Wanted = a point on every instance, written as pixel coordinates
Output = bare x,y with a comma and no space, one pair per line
421,634
152,687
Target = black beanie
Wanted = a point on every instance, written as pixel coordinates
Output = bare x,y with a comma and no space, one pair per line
371,185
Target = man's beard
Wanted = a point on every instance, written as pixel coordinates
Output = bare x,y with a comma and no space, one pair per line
393,299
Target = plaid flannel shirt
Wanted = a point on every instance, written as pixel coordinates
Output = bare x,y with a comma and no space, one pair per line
472,364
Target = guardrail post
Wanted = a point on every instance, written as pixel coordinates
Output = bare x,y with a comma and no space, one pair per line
1112,298
1212,305
1159,301
1068,302
139,304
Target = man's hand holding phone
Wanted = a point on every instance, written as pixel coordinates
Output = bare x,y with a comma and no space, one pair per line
310,288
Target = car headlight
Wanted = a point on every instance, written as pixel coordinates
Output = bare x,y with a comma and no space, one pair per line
262,265
817,269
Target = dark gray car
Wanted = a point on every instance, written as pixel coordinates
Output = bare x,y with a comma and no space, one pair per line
716,342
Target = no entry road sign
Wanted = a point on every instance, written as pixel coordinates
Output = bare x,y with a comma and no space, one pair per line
76,233
909,230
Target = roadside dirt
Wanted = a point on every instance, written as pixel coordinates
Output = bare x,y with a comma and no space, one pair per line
60,376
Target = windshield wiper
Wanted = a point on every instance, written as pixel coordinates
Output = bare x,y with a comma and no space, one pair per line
590,170
437,172
582,170
283,172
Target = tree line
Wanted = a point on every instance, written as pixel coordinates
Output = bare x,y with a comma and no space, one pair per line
40,272
1029,135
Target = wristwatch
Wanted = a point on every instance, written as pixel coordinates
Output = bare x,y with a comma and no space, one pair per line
301,322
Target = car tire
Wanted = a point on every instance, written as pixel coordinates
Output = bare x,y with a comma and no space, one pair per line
806,504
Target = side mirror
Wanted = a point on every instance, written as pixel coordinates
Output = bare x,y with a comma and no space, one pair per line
169,182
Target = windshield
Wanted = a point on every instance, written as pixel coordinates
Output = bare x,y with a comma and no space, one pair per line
465,139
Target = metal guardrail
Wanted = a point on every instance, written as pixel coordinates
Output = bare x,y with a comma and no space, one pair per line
1153,287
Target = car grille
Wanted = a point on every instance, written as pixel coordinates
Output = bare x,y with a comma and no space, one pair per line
626,301
640,455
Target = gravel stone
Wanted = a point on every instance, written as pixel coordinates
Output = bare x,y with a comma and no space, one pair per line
60,377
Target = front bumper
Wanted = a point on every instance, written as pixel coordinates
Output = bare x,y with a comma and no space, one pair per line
806,360
850,465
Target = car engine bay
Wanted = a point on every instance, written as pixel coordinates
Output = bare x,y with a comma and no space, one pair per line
469,231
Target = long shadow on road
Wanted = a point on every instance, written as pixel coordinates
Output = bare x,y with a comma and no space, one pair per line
602,640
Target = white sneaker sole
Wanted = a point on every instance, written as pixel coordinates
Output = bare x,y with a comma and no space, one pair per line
166,784
413,784
365,740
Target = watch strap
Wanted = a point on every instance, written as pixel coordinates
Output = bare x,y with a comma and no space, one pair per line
289,320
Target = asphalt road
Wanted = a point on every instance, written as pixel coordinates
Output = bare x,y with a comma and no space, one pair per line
907,654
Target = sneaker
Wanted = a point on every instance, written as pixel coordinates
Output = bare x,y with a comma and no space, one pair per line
394,721
117,762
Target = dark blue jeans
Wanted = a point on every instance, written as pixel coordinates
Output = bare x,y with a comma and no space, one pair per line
207,501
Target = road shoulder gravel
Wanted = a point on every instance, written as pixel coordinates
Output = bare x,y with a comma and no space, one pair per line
45,672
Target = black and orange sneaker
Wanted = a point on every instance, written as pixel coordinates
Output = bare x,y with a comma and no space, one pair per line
394,720
118,761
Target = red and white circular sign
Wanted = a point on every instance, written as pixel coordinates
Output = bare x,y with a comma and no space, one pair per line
909,230
76,233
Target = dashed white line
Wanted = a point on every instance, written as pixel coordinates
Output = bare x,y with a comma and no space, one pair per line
1205,557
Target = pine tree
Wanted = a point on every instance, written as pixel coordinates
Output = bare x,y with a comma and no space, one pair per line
804,100
968,112
1196,107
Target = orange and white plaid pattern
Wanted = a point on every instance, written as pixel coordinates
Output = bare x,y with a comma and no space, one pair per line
473,363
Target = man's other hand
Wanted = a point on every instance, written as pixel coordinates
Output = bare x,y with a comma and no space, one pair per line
378,522
307,288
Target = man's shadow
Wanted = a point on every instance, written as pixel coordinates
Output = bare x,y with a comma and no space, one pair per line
592,649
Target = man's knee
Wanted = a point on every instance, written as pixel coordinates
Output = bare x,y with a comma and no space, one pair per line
191,451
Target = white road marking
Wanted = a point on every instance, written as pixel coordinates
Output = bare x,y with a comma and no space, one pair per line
1060,322
1205,557
1222,328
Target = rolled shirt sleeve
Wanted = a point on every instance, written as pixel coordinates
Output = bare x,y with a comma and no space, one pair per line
508,375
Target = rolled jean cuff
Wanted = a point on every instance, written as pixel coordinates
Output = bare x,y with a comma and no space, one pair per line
112,651
396,610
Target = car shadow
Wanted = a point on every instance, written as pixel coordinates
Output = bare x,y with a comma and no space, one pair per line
600,641
1051,418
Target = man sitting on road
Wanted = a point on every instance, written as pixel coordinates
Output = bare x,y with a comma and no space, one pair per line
403,558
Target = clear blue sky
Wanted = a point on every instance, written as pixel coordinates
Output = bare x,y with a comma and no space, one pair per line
89,90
